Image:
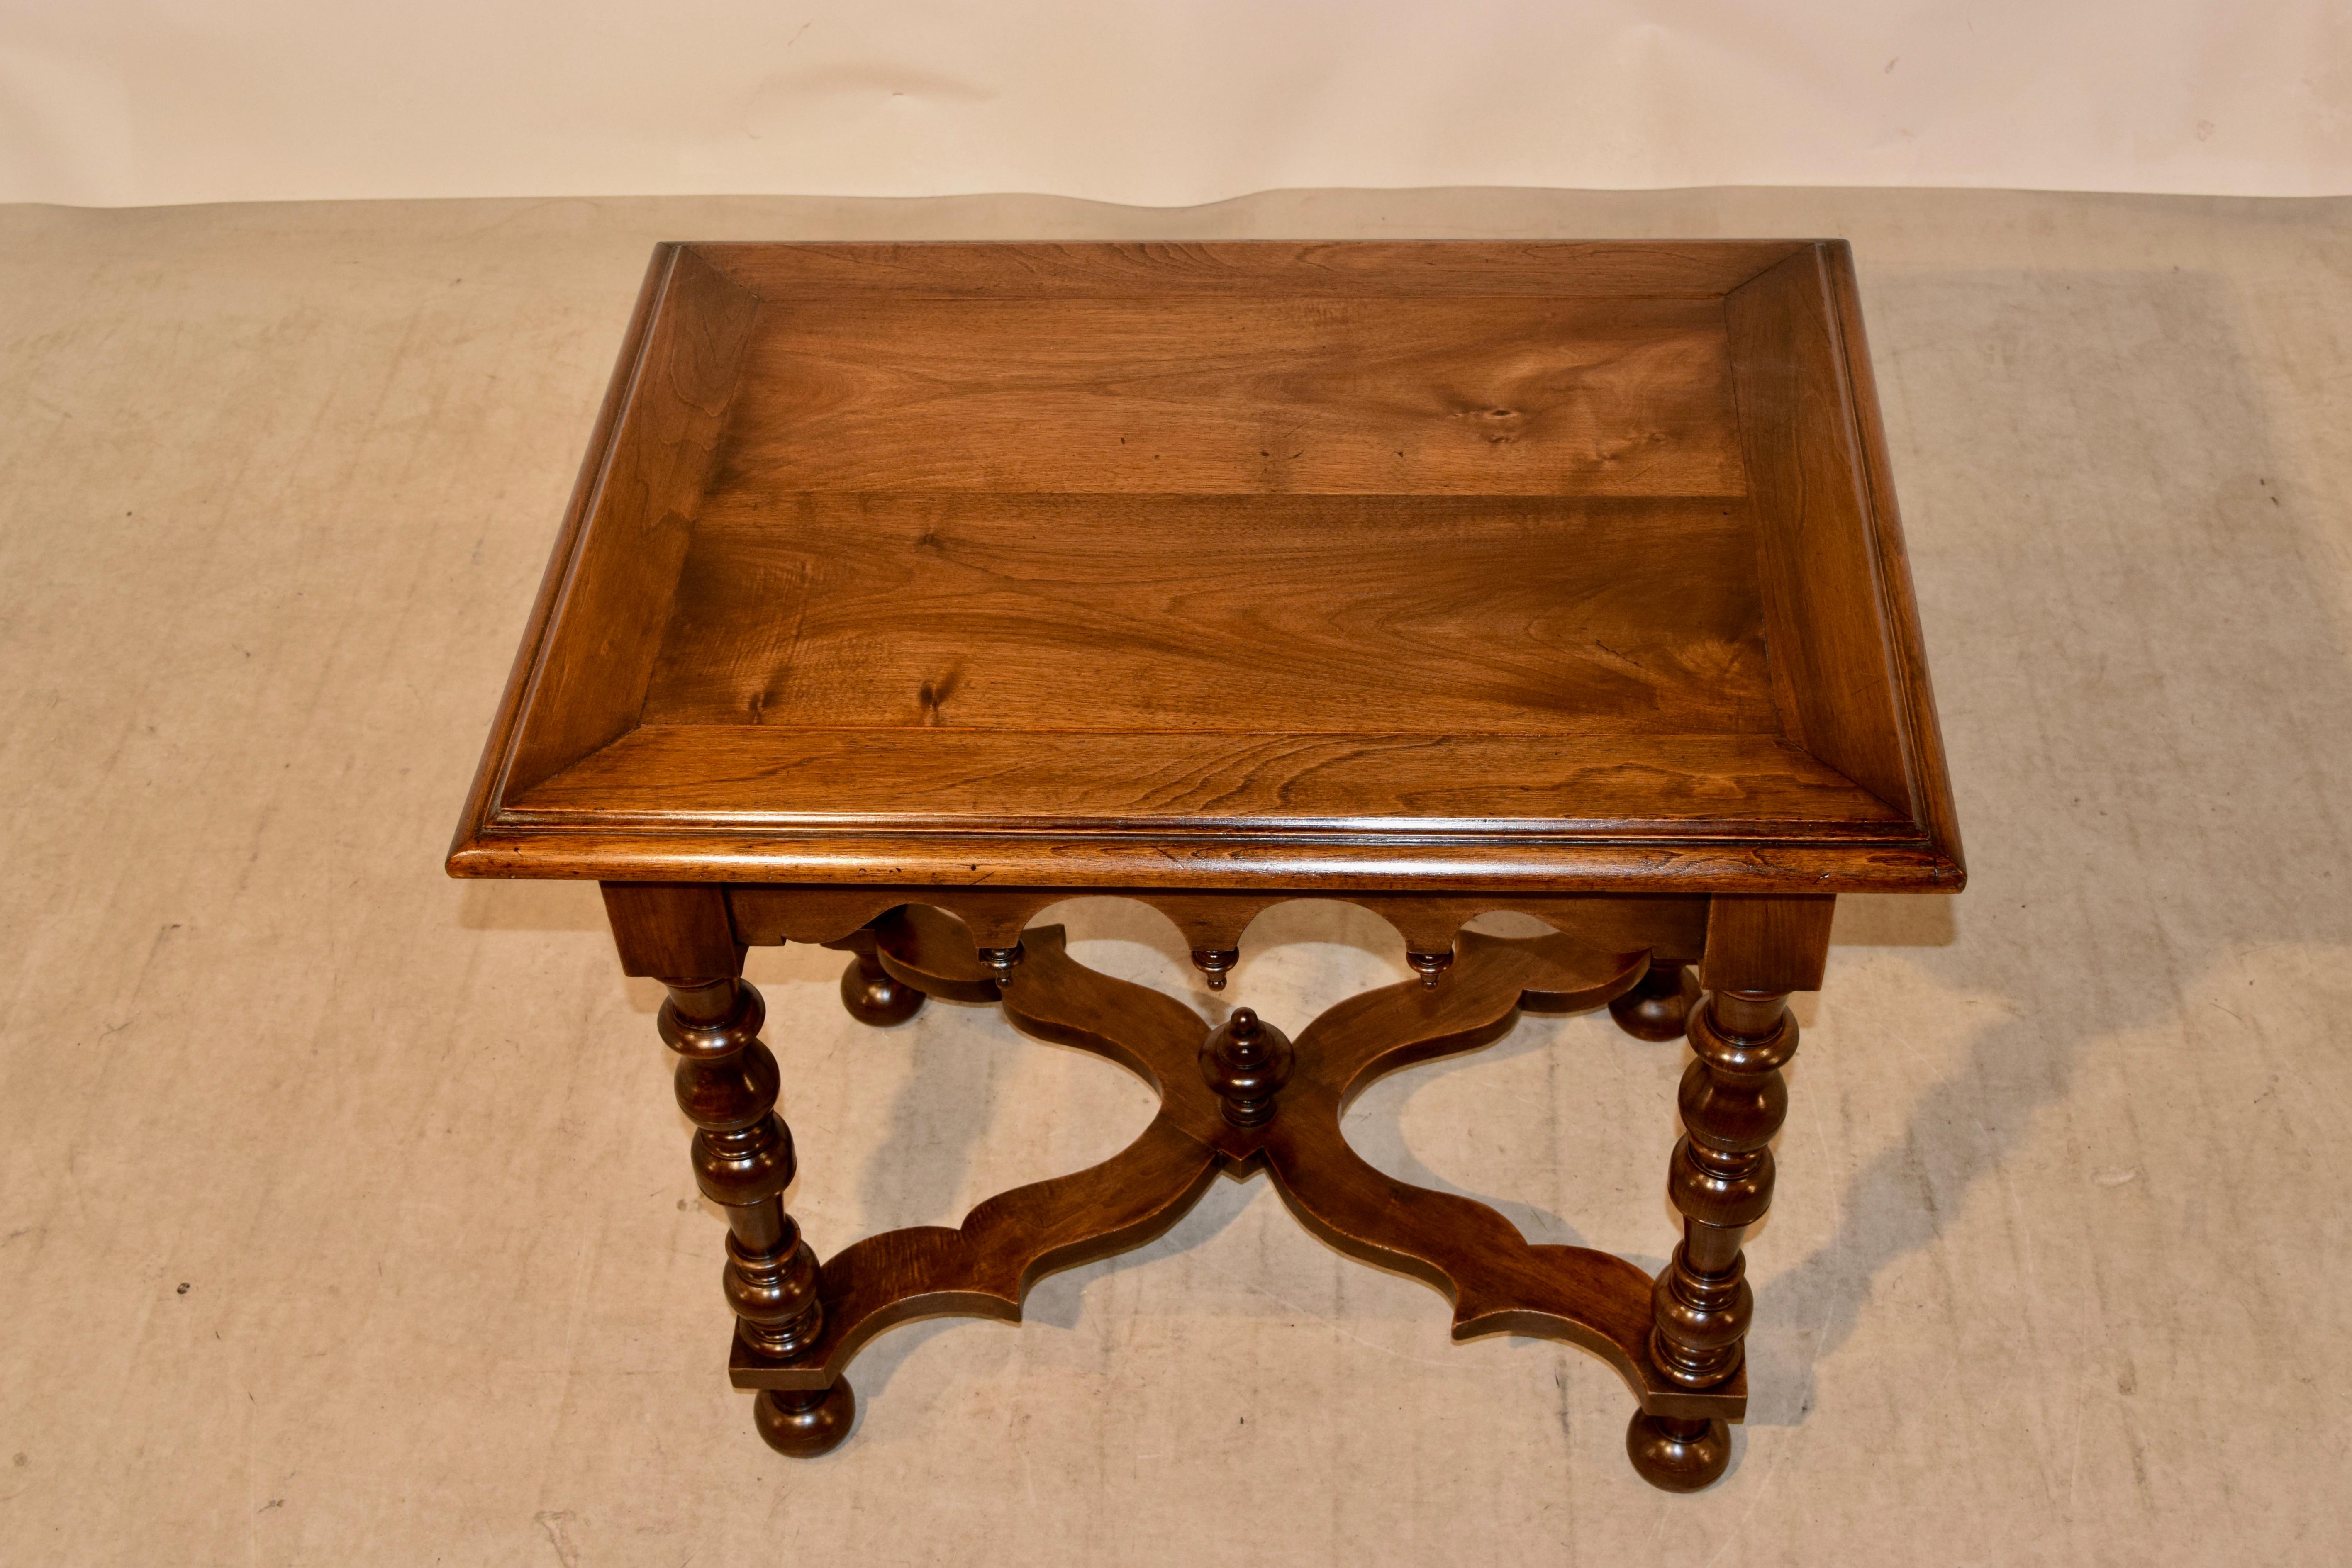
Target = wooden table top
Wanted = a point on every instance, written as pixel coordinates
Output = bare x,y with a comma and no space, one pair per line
1570,566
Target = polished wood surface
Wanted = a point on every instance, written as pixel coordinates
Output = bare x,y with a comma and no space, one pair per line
813,611
1690,786
1498,1281
1550,561
1226,393
910,590
726,1083
636,504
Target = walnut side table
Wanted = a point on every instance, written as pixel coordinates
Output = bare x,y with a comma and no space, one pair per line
910,589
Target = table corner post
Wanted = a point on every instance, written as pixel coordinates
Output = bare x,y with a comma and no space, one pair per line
681,934
1759,948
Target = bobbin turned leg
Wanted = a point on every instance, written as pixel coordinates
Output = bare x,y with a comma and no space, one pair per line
1733,1099
742,1152
743,1161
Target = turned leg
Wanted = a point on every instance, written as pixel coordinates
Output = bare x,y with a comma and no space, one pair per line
1732,1100
683,935
744,1162
1658,1007
871,993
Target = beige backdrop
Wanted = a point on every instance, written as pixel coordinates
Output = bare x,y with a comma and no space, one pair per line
121,102
345,1214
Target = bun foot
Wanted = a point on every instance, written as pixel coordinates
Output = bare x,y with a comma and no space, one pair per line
1673,1454
1659,1007
874,996
802,1426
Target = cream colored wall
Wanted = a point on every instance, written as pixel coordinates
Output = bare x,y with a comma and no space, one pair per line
114,102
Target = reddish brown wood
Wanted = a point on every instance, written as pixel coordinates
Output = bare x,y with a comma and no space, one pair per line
1850,683
1241,394
1498,1281
1898,605
1675,926
1666,635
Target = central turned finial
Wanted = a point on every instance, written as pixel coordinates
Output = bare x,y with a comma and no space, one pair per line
1246,1062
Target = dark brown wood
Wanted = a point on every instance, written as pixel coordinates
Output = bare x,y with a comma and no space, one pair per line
868,990
1733,1101
1246,1062
910,590
933,952
1659,1007
726,1084
1498,1281
744,1162
985,1267
1678,1455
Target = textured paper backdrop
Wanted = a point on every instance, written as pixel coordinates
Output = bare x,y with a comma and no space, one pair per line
121,102
345,1213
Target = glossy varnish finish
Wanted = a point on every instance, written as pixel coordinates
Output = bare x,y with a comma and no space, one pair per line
910,590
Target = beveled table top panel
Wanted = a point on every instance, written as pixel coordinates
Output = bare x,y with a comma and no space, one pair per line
1570,565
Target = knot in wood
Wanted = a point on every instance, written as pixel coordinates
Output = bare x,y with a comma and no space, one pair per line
1247,1061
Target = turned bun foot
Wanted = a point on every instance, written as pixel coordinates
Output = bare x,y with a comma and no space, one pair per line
1673,1454
874,996
803,1424
1659,1007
